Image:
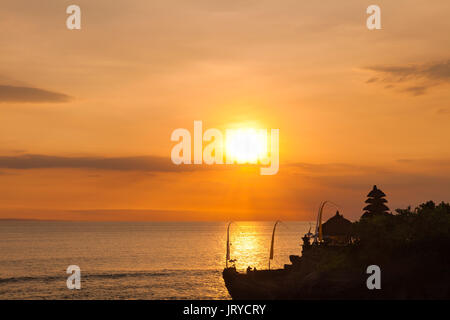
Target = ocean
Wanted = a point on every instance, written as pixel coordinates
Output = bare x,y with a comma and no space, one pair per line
135,260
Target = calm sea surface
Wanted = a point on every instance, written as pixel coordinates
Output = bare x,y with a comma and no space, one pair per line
139,260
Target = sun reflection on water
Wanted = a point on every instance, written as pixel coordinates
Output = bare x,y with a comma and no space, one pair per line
250,245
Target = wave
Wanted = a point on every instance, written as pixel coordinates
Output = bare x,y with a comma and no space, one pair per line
107,275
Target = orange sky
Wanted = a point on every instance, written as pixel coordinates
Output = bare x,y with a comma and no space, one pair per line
354,107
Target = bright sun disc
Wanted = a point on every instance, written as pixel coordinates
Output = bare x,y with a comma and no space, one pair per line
246,145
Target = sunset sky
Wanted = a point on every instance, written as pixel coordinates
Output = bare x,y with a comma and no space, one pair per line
86,115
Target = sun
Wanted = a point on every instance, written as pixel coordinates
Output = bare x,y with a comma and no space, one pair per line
246,145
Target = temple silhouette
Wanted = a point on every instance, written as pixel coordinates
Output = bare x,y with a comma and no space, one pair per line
376,204
334,258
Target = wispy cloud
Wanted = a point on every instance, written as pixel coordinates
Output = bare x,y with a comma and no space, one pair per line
416,78
426,162
331,168
443,111
10,93
433,71
139,163
416,90
404,173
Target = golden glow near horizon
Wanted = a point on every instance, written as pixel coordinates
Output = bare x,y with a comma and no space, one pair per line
85,124
246,145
